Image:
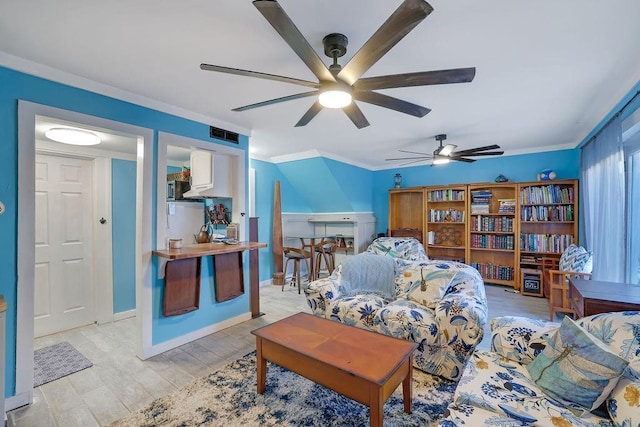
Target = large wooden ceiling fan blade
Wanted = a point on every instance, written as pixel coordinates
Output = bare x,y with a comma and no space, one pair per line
276,100
423,78
281,22
474,151
415,152
247,73
411,158
355,114
391,103
415,160
310,114
409,14
487,153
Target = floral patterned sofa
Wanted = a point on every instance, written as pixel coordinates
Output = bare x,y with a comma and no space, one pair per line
440,305
497,389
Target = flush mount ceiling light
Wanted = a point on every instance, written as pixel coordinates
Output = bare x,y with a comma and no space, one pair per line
73,136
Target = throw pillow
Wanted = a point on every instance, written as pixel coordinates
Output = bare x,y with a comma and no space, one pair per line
576,258
520,339
368,273
624,403
576,368
427,284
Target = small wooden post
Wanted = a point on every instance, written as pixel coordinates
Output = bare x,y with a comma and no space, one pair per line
278,274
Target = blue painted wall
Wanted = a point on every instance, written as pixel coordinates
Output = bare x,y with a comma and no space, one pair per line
266,175
123,216
330,186
15,86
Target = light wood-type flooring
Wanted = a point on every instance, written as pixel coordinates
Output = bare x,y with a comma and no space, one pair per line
119,382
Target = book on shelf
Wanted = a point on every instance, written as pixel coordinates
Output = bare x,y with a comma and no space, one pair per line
480,201
548,194
450,215
506,205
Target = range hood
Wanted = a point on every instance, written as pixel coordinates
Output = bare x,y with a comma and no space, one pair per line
210,175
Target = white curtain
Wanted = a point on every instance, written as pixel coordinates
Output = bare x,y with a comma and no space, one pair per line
603,196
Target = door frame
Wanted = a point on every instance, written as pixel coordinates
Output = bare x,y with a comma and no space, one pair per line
27,112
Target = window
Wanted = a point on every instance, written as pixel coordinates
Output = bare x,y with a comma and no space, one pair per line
631,142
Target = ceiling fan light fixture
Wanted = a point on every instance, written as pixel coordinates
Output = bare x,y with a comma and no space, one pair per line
446,150
335,96
73,136
441,161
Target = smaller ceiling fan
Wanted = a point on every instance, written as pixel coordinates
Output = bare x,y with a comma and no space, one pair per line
444,153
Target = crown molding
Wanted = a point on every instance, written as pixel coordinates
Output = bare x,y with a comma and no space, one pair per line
49,73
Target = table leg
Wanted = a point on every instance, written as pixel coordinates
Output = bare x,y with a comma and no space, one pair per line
407,389
261,365
376,406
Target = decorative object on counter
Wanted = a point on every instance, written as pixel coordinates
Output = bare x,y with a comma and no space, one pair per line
397,180
203,236
218,214
501,178
233,230
278,251
546,175
176,243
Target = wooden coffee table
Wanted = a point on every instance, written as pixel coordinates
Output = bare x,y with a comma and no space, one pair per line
361,365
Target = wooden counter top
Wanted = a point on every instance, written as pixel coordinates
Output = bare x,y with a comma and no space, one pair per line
204,249
3,304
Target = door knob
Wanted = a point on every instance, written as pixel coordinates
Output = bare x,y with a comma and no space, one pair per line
103,221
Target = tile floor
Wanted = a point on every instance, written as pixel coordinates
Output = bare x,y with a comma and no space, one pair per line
119,382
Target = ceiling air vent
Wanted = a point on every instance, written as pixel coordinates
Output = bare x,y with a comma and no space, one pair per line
226,135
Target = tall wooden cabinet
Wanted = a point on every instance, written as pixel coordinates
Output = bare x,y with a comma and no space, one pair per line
493,248
407,209
446,222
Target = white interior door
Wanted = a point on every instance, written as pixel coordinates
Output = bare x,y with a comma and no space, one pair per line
64,288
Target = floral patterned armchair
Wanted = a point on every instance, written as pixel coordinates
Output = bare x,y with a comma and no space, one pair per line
496,388
440,305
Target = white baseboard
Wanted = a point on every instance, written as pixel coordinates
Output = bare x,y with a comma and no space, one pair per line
268,282
22,399
184,339
124,315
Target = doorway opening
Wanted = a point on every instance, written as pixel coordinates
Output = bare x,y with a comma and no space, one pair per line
142,152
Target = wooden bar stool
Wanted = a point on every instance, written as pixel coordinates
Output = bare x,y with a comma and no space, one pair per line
296,255
326,250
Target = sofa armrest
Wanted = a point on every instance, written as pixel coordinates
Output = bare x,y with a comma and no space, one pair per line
461,316
519,339
320,292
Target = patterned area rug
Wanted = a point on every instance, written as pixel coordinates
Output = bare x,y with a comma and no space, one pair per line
228,397
57,361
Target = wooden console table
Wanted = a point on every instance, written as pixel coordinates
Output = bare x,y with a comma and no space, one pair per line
594,297
182,274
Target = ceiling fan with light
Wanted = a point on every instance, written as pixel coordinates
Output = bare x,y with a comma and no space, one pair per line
338,86
444,153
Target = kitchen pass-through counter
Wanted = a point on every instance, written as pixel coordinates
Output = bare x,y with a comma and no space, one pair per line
182,273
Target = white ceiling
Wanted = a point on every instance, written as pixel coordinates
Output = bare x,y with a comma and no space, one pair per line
546,71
